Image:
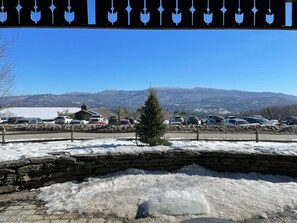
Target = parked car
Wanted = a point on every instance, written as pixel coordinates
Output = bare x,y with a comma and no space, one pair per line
175,123
261,121
3,120
125,122
237,121
176,119
33,121
96,120
96,116
131,119
274,122
209,120
78,122
205,118
288,120
113,120
230,117
13,120
62,120
192,120
169,122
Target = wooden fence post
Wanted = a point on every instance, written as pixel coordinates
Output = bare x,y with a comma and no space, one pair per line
136,138
197,133
72,127
257,135
3,135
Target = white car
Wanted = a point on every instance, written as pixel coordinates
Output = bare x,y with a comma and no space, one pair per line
80,122
63,120
176,119
96,119
3,120
236,121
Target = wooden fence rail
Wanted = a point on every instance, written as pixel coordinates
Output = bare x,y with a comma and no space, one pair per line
197,135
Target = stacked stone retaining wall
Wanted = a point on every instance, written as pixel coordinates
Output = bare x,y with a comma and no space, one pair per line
42,171
274,129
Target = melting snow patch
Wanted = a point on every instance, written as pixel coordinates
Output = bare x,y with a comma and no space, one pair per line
174,203
191,191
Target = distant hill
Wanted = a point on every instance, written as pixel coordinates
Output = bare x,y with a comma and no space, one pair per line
200,100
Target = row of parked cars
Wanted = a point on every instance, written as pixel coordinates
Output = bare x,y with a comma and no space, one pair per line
174,120
95,119
260,120
179,120
231,120
20,120
112,120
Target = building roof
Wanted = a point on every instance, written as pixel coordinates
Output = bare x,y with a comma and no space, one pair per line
40,112
88,112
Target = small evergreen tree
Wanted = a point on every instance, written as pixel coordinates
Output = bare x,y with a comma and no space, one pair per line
151,128
269,113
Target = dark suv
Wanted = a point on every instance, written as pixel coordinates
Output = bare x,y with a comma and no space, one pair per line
113,120
192,120
288,120
34,121
13,120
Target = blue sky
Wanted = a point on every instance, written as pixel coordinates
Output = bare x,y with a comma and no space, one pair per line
58,61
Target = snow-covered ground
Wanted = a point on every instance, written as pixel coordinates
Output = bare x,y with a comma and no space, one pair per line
168,197
14,151
171,197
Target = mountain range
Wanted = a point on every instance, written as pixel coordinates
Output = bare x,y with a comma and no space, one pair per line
200,100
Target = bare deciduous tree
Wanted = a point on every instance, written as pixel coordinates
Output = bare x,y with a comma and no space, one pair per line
6,71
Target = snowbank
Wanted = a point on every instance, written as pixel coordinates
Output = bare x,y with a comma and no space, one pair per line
191,191
14,151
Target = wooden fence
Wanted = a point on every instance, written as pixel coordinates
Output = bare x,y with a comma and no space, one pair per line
9,136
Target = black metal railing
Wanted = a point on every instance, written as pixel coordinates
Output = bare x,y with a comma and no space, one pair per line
150,14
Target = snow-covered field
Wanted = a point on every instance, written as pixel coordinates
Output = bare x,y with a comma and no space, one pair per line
13,151
169,197
41,112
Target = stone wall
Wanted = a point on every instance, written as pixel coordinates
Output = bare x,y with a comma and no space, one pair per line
276,129
42,171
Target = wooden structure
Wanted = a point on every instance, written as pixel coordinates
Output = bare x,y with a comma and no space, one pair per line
84,113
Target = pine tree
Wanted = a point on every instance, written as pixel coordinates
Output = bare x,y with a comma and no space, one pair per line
151,128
